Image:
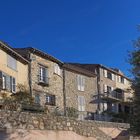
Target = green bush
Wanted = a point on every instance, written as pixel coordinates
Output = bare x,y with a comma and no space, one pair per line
72,112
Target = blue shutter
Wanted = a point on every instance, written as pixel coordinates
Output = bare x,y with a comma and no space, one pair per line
8,83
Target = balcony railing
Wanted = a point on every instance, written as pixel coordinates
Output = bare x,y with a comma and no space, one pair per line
113,96
43,80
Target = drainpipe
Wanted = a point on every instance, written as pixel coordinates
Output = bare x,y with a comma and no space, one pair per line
30,75
30,78
98,88
64,92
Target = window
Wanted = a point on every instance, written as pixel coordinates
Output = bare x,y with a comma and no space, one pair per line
7,82
57,69
108,89
81,103
122,80
109,75
37,99
50,100
43,75
11,62
81,82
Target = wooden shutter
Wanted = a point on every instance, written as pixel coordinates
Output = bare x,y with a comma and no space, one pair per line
11,62
13,85
125,81
112,88
113,77
81,103
55,68
119,78
82,82
105,73
46,75
78,82
105,88
8,83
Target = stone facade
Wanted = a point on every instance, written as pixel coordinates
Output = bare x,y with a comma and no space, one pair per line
32,121
72,92
116,100
55,81
114,90
45,78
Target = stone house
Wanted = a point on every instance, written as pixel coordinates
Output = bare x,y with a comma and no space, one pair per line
13,70
79,90
114,89
46,78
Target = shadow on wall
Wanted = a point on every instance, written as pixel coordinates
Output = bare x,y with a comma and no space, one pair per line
3,134
124,135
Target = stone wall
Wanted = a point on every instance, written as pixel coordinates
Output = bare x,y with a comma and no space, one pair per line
34,121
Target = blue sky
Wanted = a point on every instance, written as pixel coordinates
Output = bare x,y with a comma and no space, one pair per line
84,31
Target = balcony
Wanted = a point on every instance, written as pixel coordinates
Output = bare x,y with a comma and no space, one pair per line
43,80
113,96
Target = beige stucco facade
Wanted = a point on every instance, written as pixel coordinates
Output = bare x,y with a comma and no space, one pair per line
20,74
128,93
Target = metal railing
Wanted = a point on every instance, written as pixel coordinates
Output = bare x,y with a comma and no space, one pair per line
114,94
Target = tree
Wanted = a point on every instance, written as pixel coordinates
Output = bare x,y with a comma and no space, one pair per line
135,62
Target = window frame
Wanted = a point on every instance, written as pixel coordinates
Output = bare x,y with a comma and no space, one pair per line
43,78
81,82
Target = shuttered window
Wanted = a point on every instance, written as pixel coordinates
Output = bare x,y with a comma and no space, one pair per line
119,78
43,74
105,88
7,82
81,103
81,82
105,73
125,81
37,99
11,62
57,69
113,77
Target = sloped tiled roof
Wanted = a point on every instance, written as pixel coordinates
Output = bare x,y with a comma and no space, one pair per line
79,70
9,50
25,53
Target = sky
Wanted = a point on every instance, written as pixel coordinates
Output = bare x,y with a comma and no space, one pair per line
82,31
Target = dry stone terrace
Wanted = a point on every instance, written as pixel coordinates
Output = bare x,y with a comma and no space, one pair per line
35,121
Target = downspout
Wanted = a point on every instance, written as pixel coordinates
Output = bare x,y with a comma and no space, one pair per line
64,92
98,88
30,78
30,75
